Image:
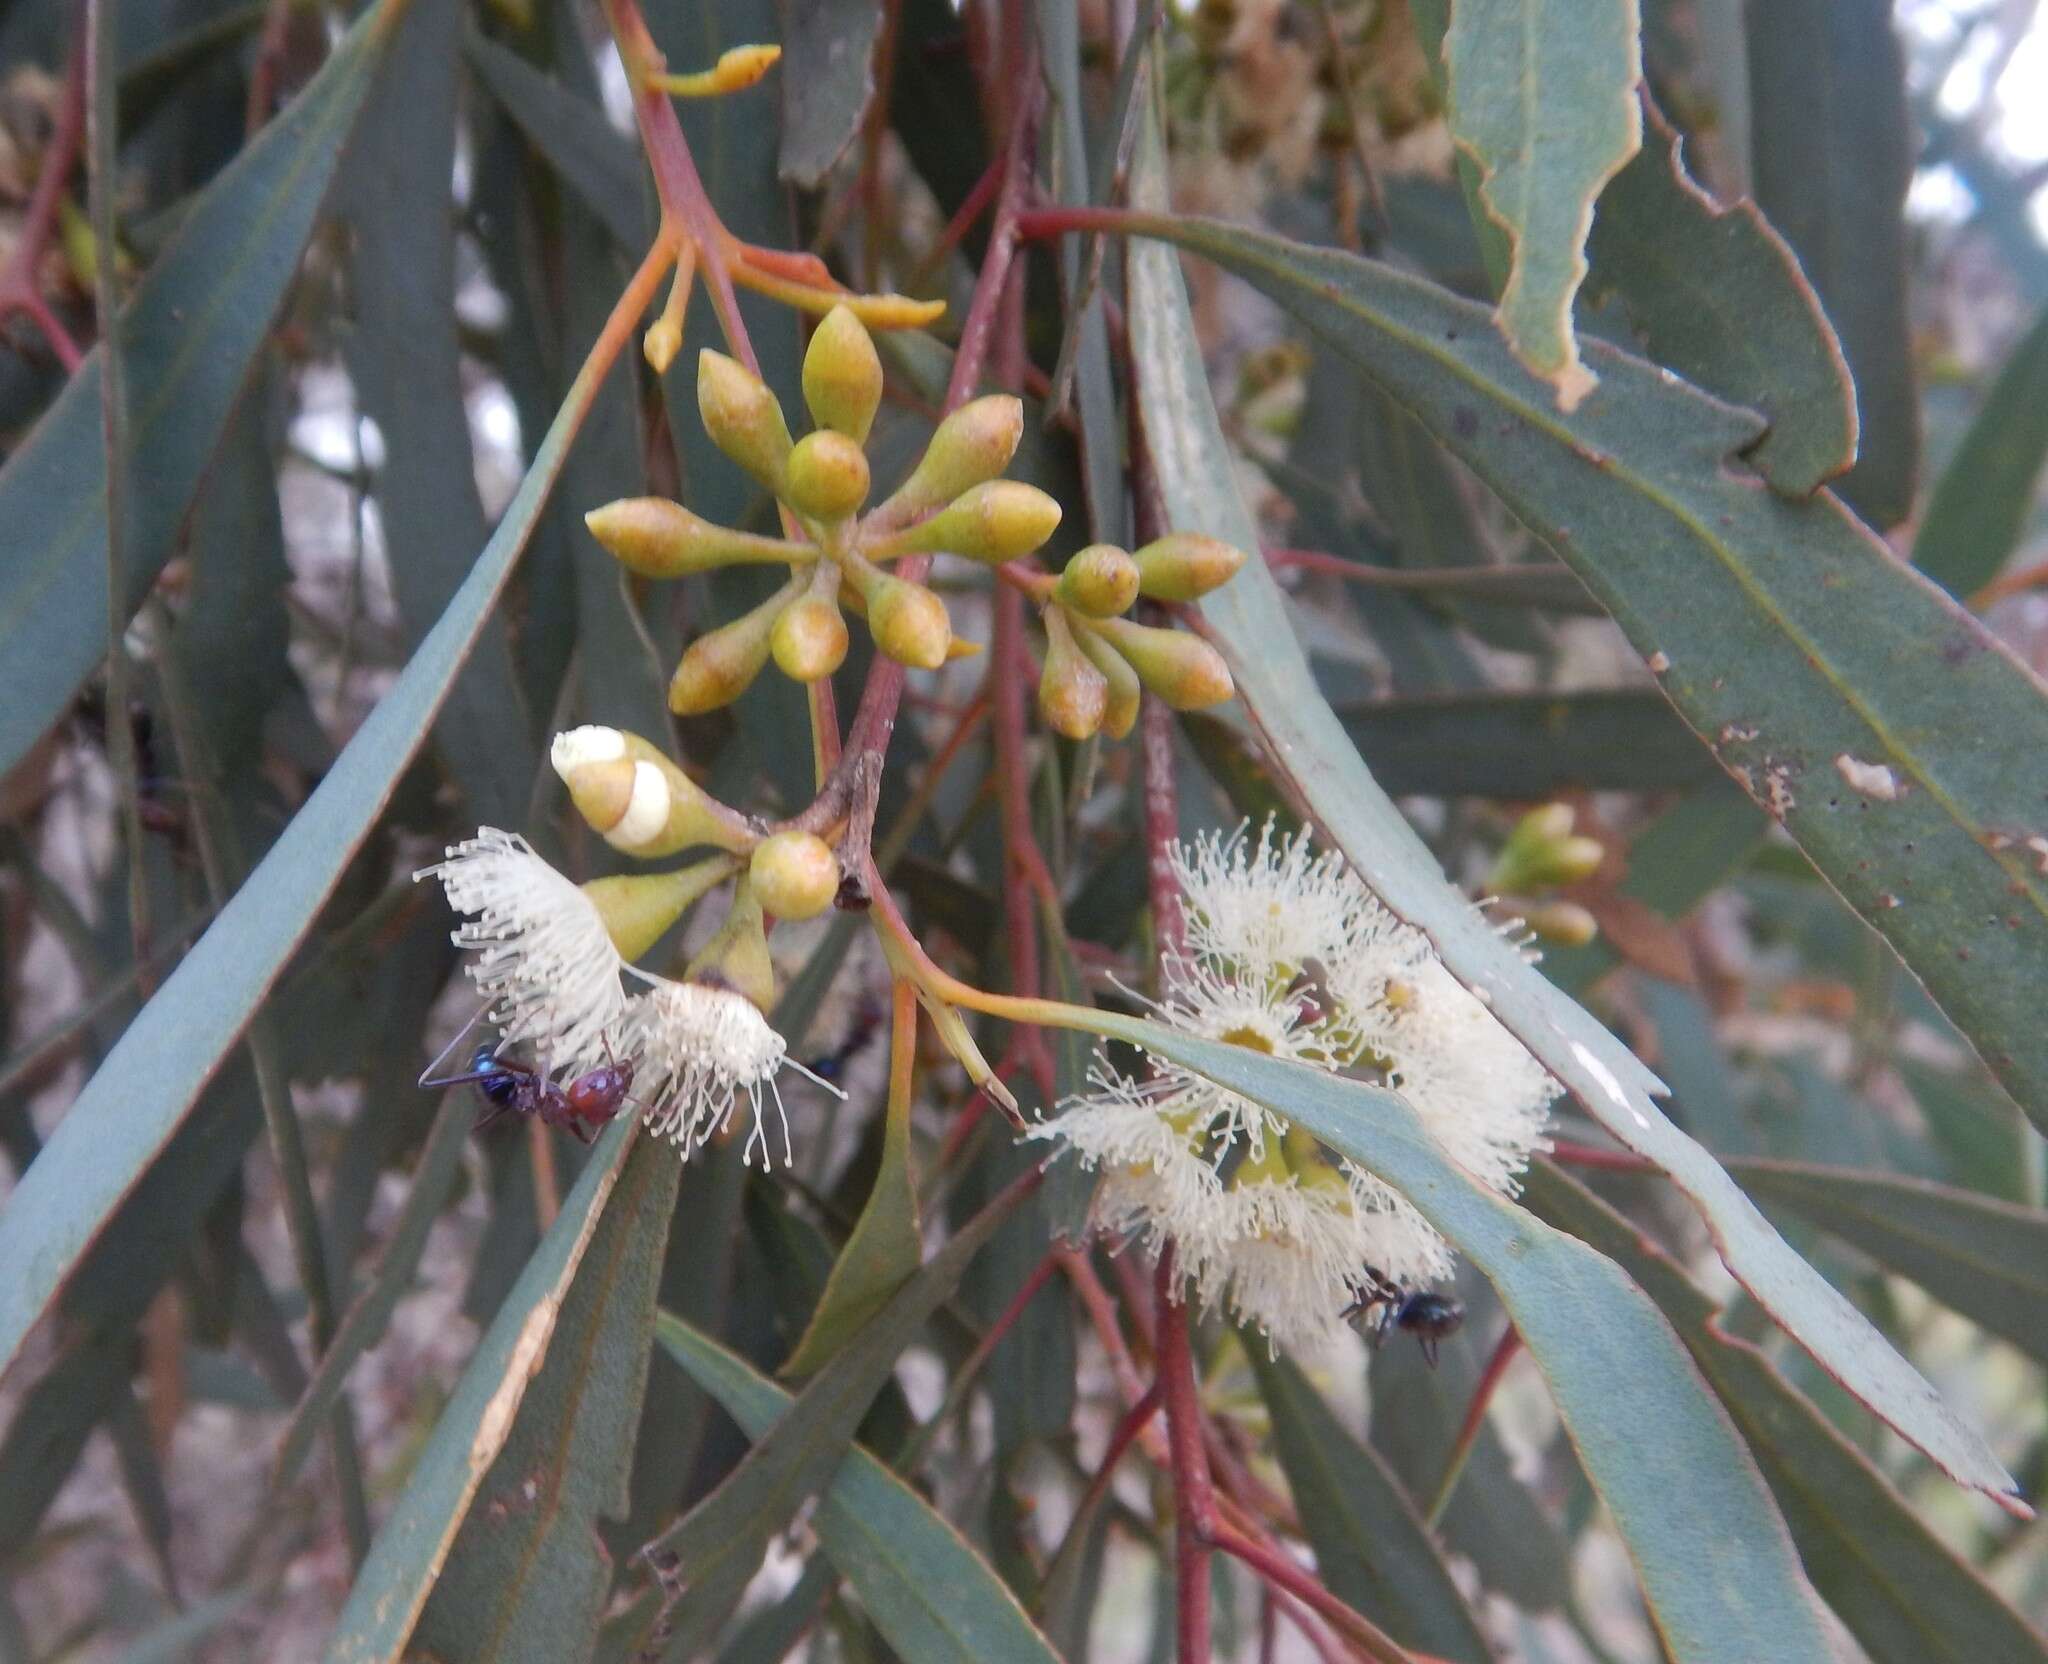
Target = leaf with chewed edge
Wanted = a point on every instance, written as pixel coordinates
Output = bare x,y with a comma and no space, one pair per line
1249,620
1542,97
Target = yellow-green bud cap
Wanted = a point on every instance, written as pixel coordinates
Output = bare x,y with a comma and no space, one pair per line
742,417
1183,670
973,444
795,874
809,638
738,955
826,476
660,539
1124,695
1101,581
843,375
638,908
1542,852
1185,566
635,797
909,622
1072,694
996,521
1563,924
722,665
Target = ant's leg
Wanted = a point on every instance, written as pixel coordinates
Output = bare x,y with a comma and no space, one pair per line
1429,1348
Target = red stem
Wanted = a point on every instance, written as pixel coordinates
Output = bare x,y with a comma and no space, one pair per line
1482,1392
19,291
1162,827
1571,1154
1196,1523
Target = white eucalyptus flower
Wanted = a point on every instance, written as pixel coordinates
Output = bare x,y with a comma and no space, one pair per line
699,1051
543,961
1291,955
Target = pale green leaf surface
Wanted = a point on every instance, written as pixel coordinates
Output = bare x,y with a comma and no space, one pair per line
827,82
933,1598
411,1547
1908,1597
1447,382
147,1085
1714,1559
187,339
1542,97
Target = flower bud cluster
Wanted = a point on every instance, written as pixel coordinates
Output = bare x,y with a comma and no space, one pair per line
952,501
1543,854
1096,660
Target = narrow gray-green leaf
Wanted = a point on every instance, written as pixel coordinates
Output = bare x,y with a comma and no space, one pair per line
406,1558
187,341
828,81
1984,1258
1907,1596
1372,1547
528,1575
933,1598
1980,503
1715,294
1714,1558
1832,148
142,1093
1438,356
1543,98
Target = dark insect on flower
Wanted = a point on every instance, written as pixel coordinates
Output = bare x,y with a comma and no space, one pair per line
867,1022
512,1088
1428,1317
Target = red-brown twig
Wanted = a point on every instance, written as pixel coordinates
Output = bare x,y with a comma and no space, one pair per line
1475,1416
20,291
1196,1523
1571,1154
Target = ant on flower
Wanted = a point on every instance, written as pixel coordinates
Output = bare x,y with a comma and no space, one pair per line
508,1087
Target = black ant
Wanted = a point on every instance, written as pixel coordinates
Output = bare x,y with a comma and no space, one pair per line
510,1088
1428,1317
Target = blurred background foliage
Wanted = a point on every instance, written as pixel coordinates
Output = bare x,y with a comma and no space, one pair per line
340,365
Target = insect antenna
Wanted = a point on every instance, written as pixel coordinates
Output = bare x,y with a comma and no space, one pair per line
427,1077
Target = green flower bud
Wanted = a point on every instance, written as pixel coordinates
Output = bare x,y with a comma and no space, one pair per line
909,623
809,638
795,874
1122,692
660,539
843,375
1072,694
738,955
1563,924
636,799
1100,581
1185,566
722,665
1183,670
1541,853
997,521
826,477
742,417
973,444
638,908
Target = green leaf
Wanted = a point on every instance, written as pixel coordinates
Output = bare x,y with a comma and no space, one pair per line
187,340
1832,147
405,361
1984,1258
828,81
363,1325
572,135
1542,97
1525,745
1715,1563
1980,503
411,1548
1975,1125
528,1576
1907,1596
881,1254
933,1598
1715,294
718,1545
1372,1547
1438,356
145,1089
